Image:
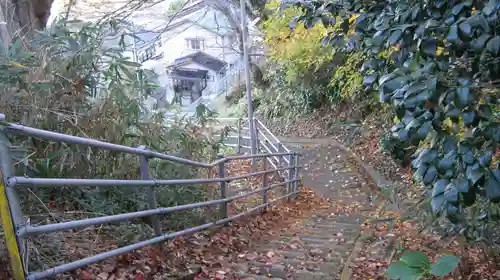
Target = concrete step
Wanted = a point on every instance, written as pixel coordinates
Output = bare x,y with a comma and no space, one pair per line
256,277
306,275
305,252
321,244
323,266
328,229
315,235
317,240
332,221
314,242
282,271
341,226
337,218
271,270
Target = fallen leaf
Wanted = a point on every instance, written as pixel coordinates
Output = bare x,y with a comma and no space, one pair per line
85,275
251,256
103,276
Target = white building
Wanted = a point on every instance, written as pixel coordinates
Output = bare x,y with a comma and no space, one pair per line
195,55
195,52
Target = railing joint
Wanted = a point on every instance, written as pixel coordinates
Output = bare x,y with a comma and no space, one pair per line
23,231
12,182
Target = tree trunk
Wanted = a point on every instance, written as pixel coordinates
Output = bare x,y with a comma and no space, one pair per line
22,18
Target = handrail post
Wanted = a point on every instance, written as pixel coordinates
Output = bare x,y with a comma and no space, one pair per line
223,191
296,176
144,169
279,146
255,139
238,144
280,150
290,174
256,127
10,211
264,185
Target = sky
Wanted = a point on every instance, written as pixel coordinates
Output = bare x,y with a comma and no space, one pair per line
89,10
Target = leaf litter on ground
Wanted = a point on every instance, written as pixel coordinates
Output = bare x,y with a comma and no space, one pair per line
210,254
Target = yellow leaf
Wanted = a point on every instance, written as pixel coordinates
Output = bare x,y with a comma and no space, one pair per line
353,18
439,50
12,63
448,123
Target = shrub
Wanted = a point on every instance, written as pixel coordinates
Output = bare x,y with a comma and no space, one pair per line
304,74
440,78
236,94
286,100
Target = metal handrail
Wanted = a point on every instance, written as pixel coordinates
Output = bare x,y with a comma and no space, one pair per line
34,230
269,139
16,231
54,136
46,182
261,125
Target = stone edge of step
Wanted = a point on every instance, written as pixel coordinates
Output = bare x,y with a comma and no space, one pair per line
377,178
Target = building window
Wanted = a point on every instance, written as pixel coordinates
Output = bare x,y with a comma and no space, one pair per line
195,44
210,78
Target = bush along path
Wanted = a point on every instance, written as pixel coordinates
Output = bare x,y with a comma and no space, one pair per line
318,246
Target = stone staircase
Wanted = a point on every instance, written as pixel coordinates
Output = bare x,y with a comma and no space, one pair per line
321,245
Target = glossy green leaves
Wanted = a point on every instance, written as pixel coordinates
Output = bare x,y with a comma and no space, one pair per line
414,264
439,58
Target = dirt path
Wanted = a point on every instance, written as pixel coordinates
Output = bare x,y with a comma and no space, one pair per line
320,245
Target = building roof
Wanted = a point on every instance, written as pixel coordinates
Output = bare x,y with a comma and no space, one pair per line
148,14
203,15
188,9
144,38
212,19
202,59
188,73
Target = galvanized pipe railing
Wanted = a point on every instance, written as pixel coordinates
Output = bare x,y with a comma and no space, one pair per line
267,142
28,231
59,137
46,182
16,231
